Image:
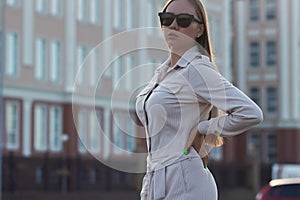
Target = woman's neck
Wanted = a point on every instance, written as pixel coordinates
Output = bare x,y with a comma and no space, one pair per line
176,54
174,59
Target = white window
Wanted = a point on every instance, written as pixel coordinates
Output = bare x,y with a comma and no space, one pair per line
56,7
123,133
12,3
94,132
12,122
130,13
94,67
55,130
94,11
117,72
271,53
254,94
129,59
151,14
271,100
118,14
12,54
254,53
40,128
215,33
81,10
82,131
81,53
254,10
41,6
40,59
55,61
271,9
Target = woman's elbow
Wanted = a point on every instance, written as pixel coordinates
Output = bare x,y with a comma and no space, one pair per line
257,116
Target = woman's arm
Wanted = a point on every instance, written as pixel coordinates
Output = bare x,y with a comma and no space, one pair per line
210,87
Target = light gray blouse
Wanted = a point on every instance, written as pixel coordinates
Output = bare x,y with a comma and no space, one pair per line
177,102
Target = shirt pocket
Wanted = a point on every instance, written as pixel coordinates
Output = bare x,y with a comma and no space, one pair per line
169,88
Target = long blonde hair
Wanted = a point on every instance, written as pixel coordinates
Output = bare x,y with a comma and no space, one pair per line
205,47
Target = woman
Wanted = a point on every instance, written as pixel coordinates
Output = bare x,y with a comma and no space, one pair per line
176,104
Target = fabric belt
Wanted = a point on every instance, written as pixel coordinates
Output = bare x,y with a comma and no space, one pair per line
158,177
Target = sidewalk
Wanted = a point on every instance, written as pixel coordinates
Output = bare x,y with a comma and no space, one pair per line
232,194
99,195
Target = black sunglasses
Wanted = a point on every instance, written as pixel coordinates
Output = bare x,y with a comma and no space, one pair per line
183,20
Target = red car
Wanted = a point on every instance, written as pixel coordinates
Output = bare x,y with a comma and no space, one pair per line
281,189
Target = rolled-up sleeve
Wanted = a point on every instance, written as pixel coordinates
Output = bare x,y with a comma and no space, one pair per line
211,87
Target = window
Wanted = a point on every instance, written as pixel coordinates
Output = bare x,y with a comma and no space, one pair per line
39,174
40,128
254,54
118,72
55,58
93,175
55,128
81,53
253,144
40,59
12,3
129,59
56,7
123,133
254,94
271,148
118,14
82,131
130,135
94,11
130,13
94,132
215,25
12,57
12,121
270,10
150,16
254,10
271,53
94,67
81,10
271,100
41,6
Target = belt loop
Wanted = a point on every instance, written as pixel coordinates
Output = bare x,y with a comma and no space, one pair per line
160,183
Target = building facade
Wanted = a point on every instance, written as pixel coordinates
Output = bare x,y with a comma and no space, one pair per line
71,73
266,63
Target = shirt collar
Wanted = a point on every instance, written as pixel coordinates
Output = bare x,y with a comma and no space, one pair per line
185,59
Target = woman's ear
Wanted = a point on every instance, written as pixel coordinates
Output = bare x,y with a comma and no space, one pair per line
200,30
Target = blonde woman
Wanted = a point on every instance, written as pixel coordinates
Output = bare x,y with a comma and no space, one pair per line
175,107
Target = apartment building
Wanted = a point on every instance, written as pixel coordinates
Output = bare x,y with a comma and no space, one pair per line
70,80
266,49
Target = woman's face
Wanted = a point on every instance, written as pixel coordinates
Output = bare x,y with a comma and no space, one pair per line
178,38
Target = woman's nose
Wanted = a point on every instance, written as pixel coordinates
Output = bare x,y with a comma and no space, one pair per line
174,25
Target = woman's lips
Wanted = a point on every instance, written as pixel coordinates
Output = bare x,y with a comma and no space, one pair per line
172,34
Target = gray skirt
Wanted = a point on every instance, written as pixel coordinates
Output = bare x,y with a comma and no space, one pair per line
186,179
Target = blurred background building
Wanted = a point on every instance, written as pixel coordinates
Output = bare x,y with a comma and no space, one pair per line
257,47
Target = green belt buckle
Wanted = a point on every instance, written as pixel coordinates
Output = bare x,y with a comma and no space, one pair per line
186,152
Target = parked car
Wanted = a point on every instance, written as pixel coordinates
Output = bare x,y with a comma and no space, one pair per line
281,189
